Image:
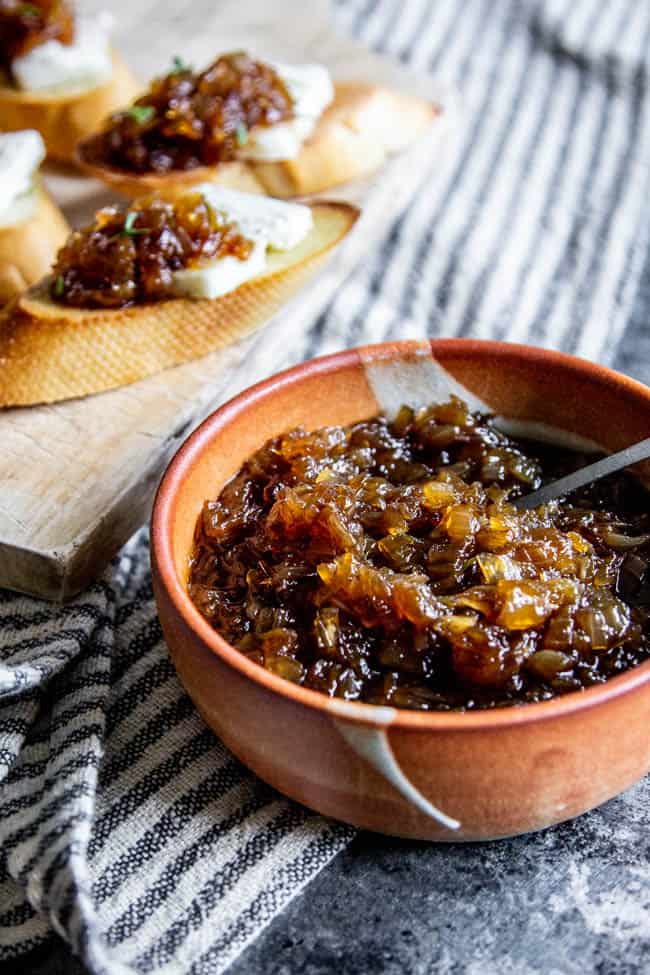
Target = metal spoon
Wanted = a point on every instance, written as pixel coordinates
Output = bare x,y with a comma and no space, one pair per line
586,475
633,581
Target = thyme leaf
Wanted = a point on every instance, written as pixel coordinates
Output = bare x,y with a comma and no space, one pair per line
178,65
129,230
242,134
141,113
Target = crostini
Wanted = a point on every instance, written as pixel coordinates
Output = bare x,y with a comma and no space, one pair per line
58,73
159,283
32,228
259,126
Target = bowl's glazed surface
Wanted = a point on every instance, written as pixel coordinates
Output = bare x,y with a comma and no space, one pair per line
442,776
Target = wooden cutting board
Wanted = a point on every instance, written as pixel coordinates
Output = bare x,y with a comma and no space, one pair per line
77,478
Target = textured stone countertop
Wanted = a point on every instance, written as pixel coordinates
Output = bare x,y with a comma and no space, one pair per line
571,900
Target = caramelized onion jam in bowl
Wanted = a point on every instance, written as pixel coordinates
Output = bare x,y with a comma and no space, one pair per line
368,623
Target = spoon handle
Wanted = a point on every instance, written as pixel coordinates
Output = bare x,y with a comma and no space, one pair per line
592,472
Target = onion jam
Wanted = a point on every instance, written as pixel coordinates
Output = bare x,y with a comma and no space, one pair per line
24,26
128,256
385,562
190,119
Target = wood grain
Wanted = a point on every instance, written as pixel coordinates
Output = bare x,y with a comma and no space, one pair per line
76,479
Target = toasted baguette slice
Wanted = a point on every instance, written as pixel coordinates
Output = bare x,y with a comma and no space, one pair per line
362,127
356,135
236,175
49,352
12,283
28,248
64,119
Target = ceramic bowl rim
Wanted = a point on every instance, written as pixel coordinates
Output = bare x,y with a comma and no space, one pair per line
357,712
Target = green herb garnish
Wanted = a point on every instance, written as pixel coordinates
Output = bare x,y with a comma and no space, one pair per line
141,113
178,65
129,230
30,10
242,134
59,286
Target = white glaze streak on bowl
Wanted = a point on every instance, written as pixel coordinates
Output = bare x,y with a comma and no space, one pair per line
415,381
371,744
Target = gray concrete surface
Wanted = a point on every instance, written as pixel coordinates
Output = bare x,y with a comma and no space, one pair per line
571,900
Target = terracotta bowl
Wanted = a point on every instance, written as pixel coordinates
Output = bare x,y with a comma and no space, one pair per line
434,776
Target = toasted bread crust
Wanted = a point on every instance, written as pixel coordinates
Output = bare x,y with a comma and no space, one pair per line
27,249
49,352
237,175
12,283
64,120
356,134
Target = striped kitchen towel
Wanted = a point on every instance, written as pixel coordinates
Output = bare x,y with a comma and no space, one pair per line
125,826
535,226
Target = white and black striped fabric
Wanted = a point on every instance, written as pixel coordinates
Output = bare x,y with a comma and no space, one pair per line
125,827
534,227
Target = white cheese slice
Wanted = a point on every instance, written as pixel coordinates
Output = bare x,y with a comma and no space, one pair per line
277,142
312,90
267,222
217,278
309,85
21,153
84,64
282,225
